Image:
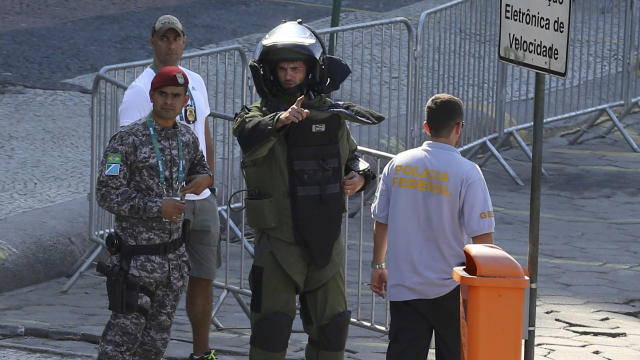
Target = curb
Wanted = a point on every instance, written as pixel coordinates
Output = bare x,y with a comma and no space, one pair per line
36,247
12,331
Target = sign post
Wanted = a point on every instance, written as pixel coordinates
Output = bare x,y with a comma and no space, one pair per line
335,21
535,34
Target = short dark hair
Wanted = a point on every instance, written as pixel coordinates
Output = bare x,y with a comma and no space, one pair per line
441,113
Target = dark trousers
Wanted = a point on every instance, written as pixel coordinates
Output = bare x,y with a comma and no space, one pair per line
413,322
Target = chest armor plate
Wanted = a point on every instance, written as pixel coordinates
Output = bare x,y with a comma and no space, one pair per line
315,184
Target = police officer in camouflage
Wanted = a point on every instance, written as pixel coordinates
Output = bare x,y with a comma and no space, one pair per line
299,163
142,182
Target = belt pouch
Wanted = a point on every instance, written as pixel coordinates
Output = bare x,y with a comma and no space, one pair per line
116,290
261,212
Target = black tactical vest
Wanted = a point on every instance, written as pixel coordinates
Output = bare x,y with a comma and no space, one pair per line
315,184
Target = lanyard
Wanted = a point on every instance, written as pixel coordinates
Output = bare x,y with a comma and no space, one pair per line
192,102
156,147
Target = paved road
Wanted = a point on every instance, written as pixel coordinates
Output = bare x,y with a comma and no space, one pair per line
45,41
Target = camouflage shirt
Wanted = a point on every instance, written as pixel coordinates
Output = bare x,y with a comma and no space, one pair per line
129,186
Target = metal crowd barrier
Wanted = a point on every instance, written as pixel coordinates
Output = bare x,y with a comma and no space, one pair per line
238,238
456,52
630,81
380,55
368,311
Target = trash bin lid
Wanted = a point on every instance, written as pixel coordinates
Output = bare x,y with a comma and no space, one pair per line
490,260
489,265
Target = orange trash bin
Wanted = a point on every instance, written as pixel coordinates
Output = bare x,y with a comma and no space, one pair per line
492,287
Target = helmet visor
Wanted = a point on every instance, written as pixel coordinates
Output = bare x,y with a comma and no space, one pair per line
293,36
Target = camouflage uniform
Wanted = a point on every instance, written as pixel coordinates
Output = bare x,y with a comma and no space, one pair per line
134,194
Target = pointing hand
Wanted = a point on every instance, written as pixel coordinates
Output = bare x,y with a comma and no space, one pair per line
293,114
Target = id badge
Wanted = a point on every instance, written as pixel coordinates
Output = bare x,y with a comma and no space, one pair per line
190,114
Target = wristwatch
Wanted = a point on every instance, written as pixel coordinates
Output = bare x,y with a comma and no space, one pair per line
378,266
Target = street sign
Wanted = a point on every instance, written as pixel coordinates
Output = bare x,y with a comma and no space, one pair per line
535,34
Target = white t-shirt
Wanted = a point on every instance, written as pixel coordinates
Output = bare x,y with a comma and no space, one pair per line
433,200
136,104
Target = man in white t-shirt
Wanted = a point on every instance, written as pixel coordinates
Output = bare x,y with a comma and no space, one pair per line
430,203
201,229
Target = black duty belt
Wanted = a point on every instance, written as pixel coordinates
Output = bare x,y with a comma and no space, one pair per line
129,251
115,245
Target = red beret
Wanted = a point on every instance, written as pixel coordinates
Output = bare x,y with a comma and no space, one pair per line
169,76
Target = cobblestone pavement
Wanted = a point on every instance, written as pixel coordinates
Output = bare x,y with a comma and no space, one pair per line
46,154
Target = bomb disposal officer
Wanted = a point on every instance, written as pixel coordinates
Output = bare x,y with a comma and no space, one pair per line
299,163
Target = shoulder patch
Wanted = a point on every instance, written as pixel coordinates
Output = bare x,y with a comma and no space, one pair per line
112,169
114,158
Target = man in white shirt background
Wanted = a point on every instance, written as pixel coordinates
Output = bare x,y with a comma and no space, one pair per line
201,230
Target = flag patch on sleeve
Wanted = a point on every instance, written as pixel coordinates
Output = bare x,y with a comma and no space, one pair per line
112,169
114,158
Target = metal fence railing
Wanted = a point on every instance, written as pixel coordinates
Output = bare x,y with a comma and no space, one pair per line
634,56
367,310
457,53
630,82
380,55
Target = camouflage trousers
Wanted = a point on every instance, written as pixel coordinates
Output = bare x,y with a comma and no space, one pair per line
134,336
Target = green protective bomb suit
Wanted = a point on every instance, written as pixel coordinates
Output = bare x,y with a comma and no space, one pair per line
283,267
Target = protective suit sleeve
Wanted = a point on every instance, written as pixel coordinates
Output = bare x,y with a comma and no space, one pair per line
113,188
356,163
255,130
363,115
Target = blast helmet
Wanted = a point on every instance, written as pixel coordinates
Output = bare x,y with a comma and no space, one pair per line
292,41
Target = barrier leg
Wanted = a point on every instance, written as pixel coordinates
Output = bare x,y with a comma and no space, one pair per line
624,133
525,149
584,129
242,304
498,144
96,251
474,151
503,163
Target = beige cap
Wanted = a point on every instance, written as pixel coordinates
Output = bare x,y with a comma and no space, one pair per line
166,22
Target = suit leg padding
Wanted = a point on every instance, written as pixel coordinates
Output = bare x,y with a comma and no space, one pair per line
271,333
332,336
